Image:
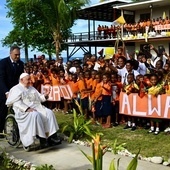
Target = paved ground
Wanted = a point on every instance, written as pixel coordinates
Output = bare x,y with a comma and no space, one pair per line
68,157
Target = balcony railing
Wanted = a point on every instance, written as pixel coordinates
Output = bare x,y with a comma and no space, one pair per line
87,36
94,35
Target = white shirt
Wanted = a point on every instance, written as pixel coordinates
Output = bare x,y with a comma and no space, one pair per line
142,68
124,73
155,59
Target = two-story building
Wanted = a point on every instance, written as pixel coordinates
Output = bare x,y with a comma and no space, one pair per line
136,13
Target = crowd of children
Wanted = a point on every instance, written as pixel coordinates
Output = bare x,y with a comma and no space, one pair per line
97,83
105,31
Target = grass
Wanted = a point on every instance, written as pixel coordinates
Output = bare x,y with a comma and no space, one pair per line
151,145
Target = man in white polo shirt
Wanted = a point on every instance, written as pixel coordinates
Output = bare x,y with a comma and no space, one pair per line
123,72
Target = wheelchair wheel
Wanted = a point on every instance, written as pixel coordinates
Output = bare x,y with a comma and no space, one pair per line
11,131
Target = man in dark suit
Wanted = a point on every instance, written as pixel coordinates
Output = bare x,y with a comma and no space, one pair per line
10,69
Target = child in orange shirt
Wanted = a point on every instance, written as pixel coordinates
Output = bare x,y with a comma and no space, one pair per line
97,99
93,84
82,86
55,82
63,81
46,78
106,99
74,88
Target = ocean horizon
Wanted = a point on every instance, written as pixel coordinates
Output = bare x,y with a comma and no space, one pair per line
64,59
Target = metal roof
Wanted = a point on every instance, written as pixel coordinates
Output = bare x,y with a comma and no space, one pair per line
102,11
143,5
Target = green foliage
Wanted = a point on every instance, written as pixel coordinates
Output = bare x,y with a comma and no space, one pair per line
139,139
45,167
97,152
116,148
42,24
78,127
8,164
132,165
112,164
134,162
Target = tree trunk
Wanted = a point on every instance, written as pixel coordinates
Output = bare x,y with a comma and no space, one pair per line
57,47
57,39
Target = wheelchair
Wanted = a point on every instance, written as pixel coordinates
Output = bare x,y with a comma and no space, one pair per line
11,130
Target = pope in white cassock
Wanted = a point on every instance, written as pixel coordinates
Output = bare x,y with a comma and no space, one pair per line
32,117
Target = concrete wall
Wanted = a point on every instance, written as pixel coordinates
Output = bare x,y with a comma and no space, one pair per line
156,12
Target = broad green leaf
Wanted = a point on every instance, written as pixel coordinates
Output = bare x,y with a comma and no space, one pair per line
87,156
133,164
71,137
112,165
64,128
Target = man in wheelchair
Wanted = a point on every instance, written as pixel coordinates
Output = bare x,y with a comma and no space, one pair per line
33,119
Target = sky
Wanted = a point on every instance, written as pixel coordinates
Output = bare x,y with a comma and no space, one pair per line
6,27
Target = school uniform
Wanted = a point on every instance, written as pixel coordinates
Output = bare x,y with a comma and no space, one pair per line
106,100
98,103
93,85
123,73
83,96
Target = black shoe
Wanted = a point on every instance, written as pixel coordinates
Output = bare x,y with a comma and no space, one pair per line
127,127
133,128
43,143
115,124
54,140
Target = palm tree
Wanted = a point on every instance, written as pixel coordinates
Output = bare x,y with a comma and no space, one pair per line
59,15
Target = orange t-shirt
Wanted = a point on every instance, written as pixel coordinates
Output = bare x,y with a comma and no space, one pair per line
47,80
166,21
148,23
108,91
90,63
88,83
98,91
119,84
62,80
54,81
74,88
102,64
81,87
94,83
